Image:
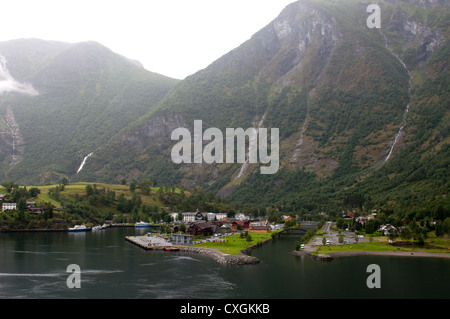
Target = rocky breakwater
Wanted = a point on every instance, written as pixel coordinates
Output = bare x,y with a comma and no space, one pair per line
221,257
320,257
159,243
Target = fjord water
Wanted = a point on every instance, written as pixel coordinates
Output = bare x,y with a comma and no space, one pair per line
33,265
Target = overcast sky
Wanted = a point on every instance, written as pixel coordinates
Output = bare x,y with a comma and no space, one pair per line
175,38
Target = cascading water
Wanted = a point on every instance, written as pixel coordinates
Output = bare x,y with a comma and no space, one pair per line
405,113
84,162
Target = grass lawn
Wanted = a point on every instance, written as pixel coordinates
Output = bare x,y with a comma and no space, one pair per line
80,188
233,244
385,246
369,246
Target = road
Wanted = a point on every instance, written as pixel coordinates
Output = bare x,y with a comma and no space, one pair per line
332,238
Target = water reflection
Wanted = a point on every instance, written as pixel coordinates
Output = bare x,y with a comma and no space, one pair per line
33,265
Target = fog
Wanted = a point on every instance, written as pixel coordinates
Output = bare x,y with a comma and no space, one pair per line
9,84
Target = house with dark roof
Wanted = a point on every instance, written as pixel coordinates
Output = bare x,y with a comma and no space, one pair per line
203,228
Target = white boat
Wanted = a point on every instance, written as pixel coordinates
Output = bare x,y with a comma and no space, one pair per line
104,226
142,224
79,228
98,227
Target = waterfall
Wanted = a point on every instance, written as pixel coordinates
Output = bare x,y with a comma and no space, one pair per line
397,136
84,162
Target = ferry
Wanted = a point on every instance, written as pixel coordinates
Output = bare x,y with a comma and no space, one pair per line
79,228
142,225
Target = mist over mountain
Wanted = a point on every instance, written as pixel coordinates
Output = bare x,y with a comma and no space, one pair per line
87,94
362,113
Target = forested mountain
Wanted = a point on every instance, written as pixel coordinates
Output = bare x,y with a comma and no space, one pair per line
81,95
362,112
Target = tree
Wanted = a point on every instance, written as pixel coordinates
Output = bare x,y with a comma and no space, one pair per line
89,190
133,186
9,185
48,211
34,191
145,186
22,205
405,233
392,233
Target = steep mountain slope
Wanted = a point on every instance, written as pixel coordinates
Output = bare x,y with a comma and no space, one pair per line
362,112
85,94
349,101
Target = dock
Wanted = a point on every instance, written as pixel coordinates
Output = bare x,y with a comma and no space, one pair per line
149,242
159,243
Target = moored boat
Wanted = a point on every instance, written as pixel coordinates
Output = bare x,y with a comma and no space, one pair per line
79,228
142,224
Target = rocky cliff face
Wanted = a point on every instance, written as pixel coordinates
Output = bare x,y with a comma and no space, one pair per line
338,91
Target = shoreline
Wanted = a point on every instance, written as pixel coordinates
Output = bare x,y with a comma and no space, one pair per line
217,255
390,253
339,254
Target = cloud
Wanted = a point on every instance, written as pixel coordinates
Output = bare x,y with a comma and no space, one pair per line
9,84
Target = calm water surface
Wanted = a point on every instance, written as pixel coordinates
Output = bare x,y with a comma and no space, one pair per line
33,265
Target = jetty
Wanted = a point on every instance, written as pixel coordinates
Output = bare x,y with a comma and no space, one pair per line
159,243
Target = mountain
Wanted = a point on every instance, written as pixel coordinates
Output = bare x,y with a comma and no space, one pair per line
351,103
362,113
82,95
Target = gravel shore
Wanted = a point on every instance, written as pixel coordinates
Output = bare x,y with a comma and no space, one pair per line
388,253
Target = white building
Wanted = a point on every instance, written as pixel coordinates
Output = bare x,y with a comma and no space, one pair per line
241,216
9,206
189,217
174,216
221,216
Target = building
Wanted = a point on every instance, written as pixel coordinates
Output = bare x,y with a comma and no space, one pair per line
9,206
188,217
174,216
259,229
37,210
241,216
3,197
361,219
220,216
182,239
203,229
240,225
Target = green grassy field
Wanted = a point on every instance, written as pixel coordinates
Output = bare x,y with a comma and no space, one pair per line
234,244
433,245
71,190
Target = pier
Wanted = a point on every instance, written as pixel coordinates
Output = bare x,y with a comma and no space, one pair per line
160,243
